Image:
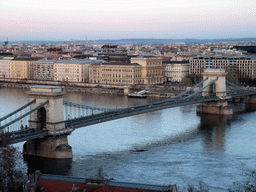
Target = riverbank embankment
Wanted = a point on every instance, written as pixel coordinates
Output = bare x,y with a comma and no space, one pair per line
152,91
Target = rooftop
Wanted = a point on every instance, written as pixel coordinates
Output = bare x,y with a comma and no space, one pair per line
79,61
70,61
228,56
121,63
137,186
176,62
108,182
27,59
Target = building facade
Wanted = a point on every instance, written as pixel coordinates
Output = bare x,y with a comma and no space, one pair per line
44,70
5,67
151,69
115,73
72,70
175,71
22,68
243,65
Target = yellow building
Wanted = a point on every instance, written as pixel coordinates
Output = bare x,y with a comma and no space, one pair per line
22,68
115,73
151,69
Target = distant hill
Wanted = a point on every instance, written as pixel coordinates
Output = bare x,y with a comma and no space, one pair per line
146,41
163,41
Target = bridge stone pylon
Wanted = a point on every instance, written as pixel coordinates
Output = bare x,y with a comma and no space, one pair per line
219,86
220,107
51,118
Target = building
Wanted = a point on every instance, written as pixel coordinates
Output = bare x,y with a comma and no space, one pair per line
144,70
73,70
184,56
115,73
175,71
248,48
243,65
5,67
151,69
44,70
95,73
53,183
22,68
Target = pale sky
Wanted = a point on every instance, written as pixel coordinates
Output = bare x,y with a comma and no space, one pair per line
119,19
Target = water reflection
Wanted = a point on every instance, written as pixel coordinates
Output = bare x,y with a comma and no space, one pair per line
213,128
250,107
104,100
47,165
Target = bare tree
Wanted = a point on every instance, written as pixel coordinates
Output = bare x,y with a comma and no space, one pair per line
11,175
202,188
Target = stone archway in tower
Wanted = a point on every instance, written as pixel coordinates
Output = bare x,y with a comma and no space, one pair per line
41,117
212,89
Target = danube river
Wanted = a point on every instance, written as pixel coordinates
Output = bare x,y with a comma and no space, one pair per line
171,146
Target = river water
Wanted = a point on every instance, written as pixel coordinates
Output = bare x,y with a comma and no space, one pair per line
171,146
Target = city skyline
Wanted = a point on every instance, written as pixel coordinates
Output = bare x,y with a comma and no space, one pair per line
92,20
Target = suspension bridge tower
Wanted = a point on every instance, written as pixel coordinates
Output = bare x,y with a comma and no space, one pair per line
51,118
218,88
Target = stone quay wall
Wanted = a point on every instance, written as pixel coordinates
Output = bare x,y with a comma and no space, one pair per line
162,92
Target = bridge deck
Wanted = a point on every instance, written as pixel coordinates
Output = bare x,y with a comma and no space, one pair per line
23,135
126,112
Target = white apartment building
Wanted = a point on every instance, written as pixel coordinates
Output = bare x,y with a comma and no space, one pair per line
175,71
5,67
73,70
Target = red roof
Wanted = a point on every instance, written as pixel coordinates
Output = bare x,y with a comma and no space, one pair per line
166,58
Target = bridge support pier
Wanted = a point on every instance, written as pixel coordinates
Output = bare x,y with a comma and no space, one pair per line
250,99
50,147
213,107
50,117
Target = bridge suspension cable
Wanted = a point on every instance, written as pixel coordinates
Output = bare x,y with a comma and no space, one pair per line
18,110
231,87
185,92
231,84
200,90
22,116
